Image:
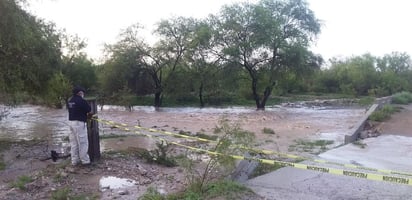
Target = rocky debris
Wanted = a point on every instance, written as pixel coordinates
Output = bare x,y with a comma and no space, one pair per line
122,192
370,129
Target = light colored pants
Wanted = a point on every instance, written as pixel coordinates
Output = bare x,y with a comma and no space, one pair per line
79,142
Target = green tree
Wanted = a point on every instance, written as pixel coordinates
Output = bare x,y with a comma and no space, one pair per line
29,51
125,70
203,66
264,39
58,90
395,62
81,71
176,35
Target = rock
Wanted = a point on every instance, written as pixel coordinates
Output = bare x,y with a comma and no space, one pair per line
105,188
64,174
123,192
364,134
368,125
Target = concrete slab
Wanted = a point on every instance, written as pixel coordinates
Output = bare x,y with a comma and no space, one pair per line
390,152
291,183
385,152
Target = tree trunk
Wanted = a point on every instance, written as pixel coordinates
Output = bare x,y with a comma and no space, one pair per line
202,103
266,95
255,94
157,101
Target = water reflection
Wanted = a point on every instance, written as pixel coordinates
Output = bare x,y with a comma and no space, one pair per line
111,182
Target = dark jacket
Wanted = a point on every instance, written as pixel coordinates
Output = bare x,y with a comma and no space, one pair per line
78,108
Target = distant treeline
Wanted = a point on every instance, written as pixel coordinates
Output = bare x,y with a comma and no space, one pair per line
246,53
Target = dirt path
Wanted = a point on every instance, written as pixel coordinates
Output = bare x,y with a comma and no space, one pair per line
400,123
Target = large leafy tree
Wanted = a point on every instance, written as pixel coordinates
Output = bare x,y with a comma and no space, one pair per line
265,39
124,71
176,37
29,50
203,65
159,61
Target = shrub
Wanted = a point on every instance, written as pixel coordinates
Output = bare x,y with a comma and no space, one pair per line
402,98
61,194
384,113
159,155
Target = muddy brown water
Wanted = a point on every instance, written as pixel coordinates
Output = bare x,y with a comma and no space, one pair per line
29,122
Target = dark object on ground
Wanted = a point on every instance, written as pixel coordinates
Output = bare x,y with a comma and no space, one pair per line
54,156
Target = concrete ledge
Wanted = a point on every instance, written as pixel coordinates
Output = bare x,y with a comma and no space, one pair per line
379,102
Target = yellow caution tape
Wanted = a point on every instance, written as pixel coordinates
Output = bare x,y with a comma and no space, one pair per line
296,165
369,176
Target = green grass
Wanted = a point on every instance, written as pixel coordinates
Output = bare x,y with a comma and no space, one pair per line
66,193
384,113
222,189
360,144
21,182
61,194
2,164
268,131
364,101
316,146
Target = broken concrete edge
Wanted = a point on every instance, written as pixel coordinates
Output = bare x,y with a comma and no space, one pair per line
379,103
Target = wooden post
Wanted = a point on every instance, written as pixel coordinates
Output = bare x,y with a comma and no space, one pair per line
93,133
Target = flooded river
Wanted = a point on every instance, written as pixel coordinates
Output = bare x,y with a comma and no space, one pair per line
37,122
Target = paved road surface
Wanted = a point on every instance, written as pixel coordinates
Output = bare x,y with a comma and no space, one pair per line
392,150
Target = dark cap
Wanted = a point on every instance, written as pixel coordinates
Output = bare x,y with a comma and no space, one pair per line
77,89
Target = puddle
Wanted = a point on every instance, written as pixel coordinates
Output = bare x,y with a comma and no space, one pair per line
124,143
111,182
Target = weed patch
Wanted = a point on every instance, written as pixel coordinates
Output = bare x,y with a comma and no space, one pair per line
360,144
268,131
21,182
66,193
402,98
60,194
223,189
366,101
317,146
2,165
158,155
384,113
264,168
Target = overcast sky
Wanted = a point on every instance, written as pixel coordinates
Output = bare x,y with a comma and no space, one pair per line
350,27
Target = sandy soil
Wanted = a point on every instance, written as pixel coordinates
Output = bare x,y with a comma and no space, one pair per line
399,123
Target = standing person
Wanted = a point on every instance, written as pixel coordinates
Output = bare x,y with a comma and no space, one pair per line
78,112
